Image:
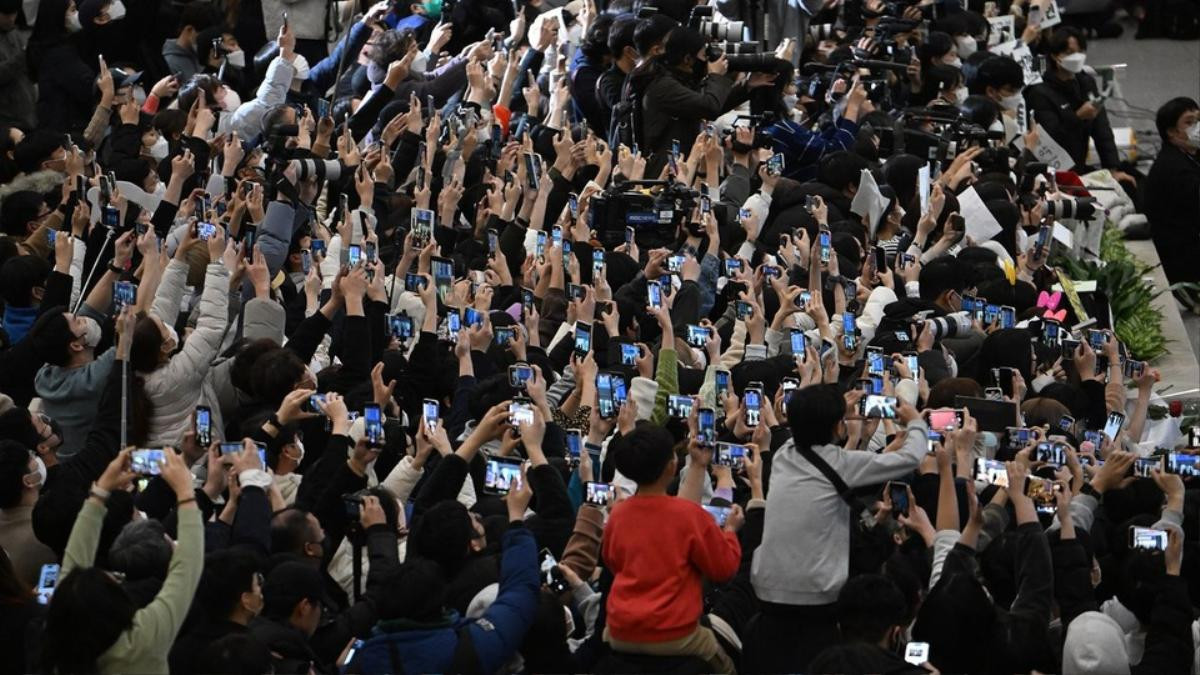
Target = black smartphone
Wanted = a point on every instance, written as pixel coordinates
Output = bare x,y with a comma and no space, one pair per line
203,425
898,491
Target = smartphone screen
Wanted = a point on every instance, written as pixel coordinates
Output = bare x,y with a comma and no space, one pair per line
731,455
502,475
799,342
597,494
203,425
655,294
1113,425
373,419
753,401
429,411
878,406
706,426
47,580
583,338
898,493
147,462
722,378
719,513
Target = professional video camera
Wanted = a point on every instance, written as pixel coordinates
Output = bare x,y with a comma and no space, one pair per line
759,122
949,133
654,209
896,9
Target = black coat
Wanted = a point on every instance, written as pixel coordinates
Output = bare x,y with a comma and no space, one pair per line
1054,103
1172,205
66,87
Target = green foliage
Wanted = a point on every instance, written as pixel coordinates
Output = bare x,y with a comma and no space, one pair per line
1136,321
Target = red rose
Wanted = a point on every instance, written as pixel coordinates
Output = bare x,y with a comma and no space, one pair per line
1175,408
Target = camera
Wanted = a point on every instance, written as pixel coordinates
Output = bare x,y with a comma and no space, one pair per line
823,31
1071,208
701,20
654,215
950,325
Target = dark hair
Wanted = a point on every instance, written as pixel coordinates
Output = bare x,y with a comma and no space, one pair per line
13,590
415,591
839,170
595,42
275,374
998,72
228,573
1164,120
937,44
813,413
940,77
868,606
236,654
191,90
37,146
17,425
650,31
1060,40
643,453
941,275
620,35
198,15
290,530
14,465
88,612
170,122
141,550
956,620
19,276
18,209
942,394
680,43
391,45
243,362
980,110
144,357
442,534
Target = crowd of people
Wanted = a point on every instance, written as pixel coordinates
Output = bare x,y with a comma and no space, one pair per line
491,337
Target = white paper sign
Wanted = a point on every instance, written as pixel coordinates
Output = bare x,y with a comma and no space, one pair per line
868,201
1051,16
1064,235
981,224
1002,30
924,185
1019,51
1049,151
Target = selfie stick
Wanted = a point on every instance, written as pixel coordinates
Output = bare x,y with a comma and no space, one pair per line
124,402
83,290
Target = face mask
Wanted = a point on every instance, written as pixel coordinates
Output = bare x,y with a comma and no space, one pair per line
419,63
575,33
230,100
173,340
789,101
91,336
116,11
1011,102
996,126
954,62
966,46
160,149
1073,63
236,58
301,66
73,24
160,190
960,95
1193,134
37,478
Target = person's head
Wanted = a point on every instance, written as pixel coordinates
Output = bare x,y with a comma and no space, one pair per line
416,591
841,171
683,50
190,91
815,415
444,533
650,34
1001,79
88,612
21,475
595,41
141,551
871,609
94,13
1043,411
1067,48
646,456
217,44
276,373
65,339
231,587
37,432
292,594
22,212
195,17
296,531
41,150
23,280
8,14
944,393
153,343
956,619
1178,123
621,46
938,48
947,81
943,282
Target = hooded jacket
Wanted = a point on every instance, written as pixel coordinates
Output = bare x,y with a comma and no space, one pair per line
70,396
16,90
495,636
180,60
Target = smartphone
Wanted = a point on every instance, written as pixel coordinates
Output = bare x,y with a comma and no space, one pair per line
719,513
604,398
1182,464
932,438
706,426
1134,369
373,420
354,255
453,325
991,471
124,295
878,406
234,448
1008,316
916,653
1051,453
825,242
876,363
654,291
945,419
1066,423
743,309
597,494
775,164
629,353
583,338
422,227
722,380
1003,377
317,246
503,335
203,425
519,374
1113,425
472,317
799,343
1143,466
1097,339
533,169
413,283
1147,539
752,397
315,404
697,336
429,412
400,326
1019,437
443,276
501,475
731,455
520,411
679,406
110,216
47,580
147,461
849,331
898,491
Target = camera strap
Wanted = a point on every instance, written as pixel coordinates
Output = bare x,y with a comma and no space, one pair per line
856,505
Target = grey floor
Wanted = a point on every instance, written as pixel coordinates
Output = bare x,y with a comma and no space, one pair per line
1156,71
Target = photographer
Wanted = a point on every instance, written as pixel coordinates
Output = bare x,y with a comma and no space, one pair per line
1173,195
804,147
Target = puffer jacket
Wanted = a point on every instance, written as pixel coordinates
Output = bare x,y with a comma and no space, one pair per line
176,388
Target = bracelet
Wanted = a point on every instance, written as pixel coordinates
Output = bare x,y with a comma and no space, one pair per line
273,420
181,502
99,493
116,270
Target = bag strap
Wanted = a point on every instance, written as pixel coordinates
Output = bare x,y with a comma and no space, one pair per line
856,505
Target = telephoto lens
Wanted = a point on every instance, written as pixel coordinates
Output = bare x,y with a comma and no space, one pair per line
951,325
1071,209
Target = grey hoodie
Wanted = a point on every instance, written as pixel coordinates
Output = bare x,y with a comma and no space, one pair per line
180,59
70,396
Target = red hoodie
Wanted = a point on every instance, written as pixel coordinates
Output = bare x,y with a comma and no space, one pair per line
659,549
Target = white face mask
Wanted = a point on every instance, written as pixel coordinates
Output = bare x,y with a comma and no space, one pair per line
160,190
955,62
91,337
301,66
230,101
789,101
1073,63
960,95
160,149
73,25
116,10
39,474
966,46
236,58
1193,134
419,63
1011,102
996,126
